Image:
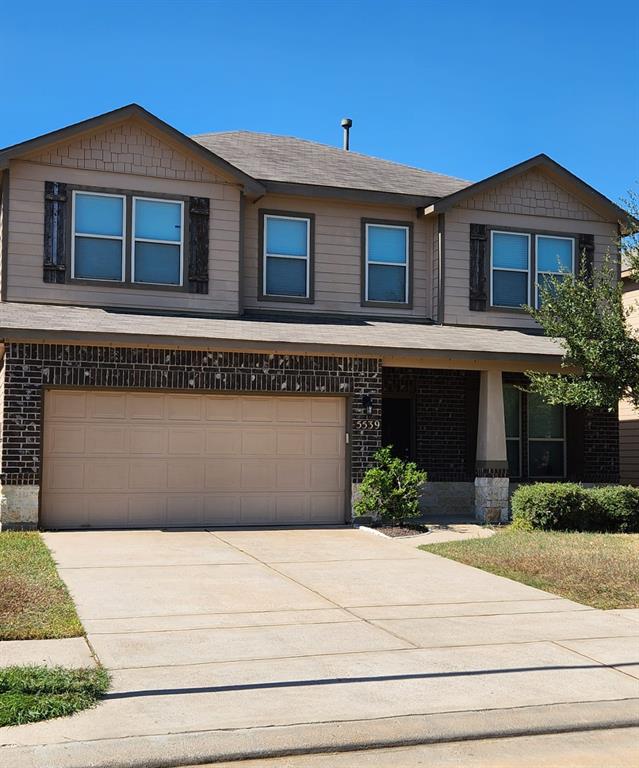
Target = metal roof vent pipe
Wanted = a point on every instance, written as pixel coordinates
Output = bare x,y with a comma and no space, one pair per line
346,125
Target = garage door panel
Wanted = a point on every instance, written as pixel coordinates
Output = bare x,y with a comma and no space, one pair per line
223,442
106,440
63,440
184,407
292,442
257,409
64,475
325,441
106,475
257,475
225,408
258,442
292,410
221,509
117,459
149,441
326,474
223,475
185,475
187,508
66,405
186,442
106,405
143,406
147,475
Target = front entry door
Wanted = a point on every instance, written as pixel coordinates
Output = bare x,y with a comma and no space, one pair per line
397,426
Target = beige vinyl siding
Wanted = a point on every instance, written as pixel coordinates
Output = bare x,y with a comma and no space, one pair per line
628,416
338,256
125,157
527,203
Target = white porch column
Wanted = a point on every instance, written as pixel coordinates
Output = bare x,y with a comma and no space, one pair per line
491,469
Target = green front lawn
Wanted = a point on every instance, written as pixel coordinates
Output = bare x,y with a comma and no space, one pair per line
34,602
28,694
596,569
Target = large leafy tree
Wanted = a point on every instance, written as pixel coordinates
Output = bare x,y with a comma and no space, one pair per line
600,364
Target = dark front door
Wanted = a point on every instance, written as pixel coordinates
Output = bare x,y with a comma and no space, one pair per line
397,425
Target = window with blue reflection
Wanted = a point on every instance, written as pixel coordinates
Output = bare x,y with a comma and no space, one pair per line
555,261
286,256
98,237
510,260
157,242
387,263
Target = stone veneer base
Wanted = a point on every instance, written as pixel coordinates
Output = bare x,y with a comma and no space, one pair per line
491,499
19,507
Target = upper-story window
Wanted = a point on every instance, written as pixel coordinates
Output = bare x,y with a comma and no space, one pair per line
510,269
98,245
157,241
152,252
286,257
521,262
386,263
555,259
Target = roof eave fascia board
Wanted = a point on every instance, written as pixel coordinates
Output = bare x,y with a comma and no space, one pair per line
16,335
251,185
595,199
347,193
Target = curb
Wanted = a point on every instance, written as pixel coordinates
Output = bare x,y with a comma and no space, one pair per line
205,747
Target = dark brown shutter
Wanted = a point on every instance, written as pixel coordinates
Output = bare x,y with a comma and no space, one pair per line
586,251
478,297
55,232
575,422
198,265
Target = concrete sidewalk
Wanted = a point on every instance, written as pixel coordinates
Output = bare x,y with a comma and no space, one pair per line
234,643
65,652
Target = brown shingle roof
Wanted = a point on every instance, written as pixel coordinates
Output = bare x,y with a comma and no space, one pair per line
325,336
297,161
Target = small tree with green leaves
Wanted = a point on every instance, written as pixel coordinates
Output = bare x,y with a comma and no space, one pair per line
601,353
390,489
600,364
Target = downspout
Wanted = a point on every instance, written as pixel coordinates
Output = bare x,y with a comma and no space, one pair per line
240,261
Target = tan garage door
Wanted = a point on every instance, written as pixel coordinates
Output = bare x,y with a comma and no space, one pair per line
115,459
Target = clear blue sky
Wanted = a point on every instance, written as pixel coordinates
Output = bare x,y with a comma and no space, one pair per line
465,88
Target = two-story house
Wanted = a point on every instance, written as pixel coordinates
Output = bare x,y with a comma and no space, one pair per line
222,329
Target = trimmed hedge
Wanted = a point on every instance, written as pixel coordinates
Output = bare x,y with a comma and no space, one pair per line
571,507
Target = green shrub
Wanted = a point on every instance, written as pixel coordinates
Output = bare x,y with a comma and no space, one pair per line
571,507
390,489
550,507
617,509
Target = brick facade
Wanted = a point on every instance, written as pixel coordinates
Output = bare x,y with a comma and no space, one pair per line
446,406
30,368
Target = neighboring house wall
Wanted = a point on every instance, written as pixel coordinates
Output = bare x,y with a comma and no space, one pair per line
126,157
338,260
628,415
531,202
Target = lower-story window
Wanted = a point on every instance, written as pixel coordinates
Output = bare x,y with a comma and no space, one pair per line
546,439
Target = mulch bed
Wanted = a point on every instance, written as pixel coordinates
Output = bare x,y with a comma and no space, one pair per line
401,530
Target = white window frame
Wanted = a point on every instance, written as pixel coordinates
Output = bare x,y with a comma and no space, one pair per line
547,440
387,263
135,240
268,255
554,272
526,271
519,439
74,234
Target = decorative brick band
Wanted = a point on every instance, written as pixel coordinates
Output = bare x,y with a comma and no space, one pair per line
30,368
491,471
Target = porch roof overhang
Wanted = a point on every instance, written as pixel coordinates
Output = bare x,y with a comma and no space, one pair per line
48,323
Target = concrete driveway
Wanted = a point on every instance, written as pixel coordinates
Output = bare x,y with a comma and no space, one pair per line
227,643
